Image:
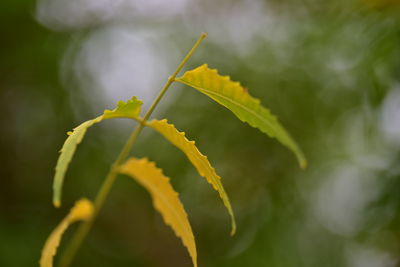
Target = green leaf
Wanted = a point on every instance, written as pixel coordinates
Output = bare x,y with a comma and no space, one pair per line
165,199
199,161
130,109
248,109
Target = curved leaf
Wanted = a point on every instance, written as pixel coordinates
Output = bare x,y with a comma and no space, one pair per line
165,199
66,154
233,96
199,161
82,210
130,109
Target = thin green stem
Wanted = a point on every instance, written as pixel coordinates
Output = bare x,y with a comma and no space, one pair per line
105,188
171,79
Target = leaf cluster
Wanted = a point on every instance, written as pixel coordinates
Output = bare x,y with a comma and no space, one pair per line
221,89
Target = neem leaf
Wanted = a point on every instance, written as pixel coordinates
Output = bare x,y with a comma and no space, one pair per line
199,161
130,109
82,210
233,96
67,152
165,199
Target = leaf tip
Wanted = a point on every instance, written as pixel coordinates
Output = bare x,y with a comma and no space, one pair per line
57,203
233,230
204,66
303,163
83,209
121,103
135,99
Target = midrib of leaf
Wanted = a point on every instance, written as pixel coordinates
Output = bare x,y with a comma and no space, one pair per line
230,100
277,131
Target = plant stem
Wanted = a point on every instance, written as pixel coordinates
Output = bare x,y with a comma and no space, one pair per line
105,188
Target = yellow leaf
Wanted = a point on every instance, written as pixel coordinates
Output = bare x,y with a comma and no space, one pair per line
199,161
82,210
130,109
234,97
165,199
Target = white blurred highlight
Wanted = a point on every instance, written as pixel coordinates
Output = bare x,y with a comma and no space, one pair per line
72,14
61,14
362,256
121,63
343,197
390,117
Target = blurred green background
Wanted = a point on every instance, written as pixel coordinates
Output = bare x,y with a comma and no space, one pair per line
328,69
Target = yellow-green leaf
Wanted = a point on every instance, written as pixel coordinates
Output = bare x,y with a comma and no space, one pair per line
66,154
199,161
248,109
165,199
130,109
82,210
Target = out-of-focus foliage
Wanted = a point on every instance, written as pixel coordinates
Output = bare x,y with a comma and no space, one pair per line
82,210
328,69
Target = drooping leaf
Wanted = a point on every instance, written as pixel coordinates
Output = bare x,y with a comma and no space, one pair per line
199,161
82,210
130,109
248,109
165,199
